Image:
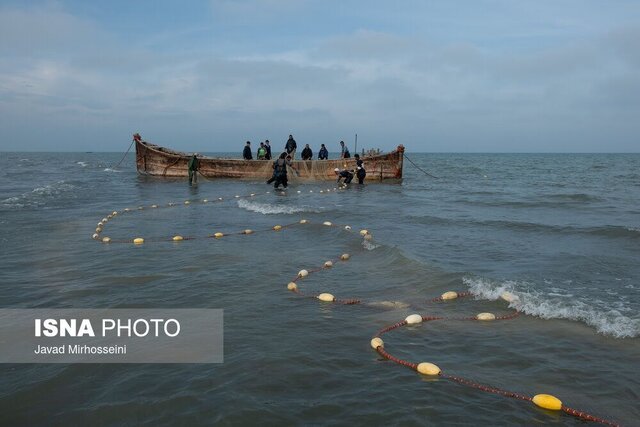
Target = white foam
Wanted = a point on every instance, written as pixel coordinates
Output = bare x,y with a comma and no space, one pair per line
83,164
602,317
391,305
38,196
368,245
269,209
111,170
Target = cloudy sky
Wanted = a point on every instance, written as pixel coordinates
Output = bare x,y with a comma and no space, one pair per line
437,76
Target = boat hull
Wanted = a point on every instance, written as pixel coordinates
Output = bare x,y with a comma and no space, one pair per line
158,161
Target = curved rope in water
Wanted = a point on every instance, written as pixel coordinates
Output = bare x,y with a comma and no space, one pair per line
419,168
424,368
125,154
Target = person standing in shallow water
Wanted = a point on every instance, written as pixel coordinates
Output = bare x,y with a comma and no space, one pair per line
193,169
246,153
361,173
280,170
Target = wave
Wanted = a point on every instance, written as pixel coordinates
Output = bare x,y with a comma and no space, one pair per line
574,197
269,209
612,231
556,305
38,196
83,164
111,170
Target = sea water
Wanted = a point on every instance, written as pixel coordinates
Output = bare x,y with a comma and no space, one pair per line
560,231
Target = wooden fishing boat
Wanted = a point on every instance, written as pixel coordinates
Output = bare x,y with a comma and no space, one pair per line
154,160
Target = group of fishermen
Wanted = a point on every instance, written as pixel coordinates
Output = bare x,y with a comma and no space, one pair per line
290,147
285,160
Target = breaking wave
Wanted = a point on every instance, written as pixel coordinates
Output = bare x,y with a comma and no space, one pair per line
39,196
368,245
556,305
269,209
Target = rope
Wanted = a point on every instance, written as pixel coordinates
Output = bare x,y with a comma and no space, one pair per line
164,172
204,176
378,345
469,383
125,155
487,388
587,417
419,168
386,355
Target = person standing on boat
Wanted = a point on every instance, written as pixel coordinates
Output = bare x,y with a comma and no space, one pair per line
193,169
347,175
361,173
306,154
262,152
246,153
290,147
268,148
323,154
344,151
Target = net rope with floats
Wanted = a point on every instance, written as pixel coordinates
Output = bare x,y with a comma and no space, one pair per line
426,369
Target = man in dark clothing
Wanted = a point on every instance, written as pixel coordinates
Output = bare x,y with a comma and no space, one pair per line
306,154
280,170
268,147
193,169
323,154
290,147
246,153
348,176
361,173
344,151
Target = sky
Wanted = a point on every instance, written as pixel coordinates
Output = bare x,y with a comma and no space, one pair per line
436,76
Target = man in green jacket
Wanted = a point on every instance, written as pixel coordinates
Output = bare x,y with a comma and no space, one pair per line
193,169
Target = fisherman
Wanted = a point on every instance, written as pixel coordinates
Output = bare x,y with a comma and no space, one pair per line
290,147
344,151
280,170
193,169
262,152
306,154
268,148
361,173
347,175
323,154
246,153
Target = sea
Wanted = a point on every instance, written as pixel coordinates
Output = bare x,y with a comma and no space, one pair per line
561,232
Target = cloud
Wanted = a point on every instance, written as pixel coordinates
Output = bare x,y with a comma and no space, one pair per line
63,76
